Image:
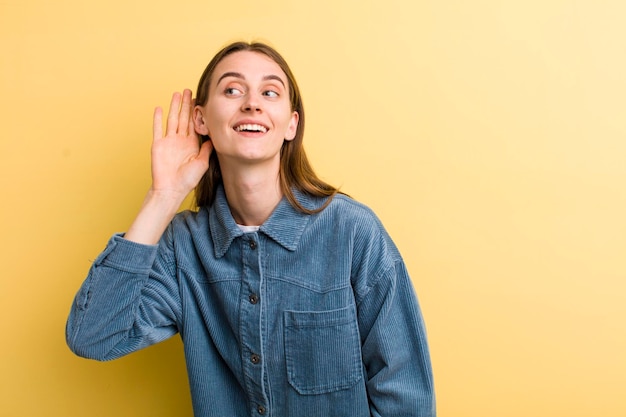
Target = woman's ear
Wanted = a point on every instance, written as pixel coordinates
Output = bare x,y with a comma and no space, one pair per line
199,122
292,129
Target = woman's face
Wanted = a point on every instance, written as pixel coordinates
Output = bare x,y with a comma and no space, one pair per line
248,115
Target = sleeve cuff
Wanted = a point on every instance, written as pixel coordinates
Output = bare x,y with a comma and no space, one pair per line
128,256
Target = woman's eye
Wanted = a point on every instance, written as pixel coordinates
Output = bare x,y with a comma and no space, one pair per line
232,91
270,93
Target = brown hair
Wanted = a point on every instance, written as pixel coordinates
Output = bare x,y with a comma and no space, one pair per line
295,170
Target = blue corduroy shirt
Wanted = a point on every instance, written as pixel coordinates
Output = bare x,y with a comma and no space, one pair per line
312,315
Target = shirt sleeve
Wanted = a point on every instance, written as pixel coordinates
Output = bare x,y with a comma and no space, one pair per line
394,346
129,300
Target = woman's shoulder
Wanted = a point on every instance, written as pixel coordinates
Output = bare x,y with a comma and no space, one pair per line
189,222
192,217
349,209
349,217
373,249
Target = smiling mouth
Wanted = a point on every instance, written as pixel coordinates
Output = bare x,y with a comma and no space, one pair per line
251,128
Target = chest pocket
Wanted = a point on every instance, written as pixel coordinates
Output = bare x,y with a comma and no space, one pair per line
322,350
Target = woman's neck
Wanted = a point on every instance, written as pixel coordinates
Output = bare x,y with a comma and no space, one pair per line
252,193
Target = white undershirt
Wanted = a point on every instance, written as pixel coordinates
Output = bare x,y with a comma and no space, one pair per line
248,229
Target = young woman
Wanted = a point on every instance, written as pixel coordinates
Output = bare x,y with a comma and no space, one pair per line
290,298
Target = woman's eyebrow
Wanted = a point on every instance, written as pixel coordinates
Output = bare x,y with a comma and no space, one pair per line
231,74
274,77
241,76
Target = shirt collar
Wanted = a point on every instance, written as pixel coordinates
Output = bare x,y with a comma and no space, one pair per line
285,225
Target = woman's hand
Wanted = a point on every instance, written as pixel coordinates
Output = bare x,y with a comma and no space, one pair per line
178,161
178,164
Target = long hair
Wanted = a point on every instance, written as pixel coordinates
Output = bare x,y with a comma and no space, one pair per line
295,170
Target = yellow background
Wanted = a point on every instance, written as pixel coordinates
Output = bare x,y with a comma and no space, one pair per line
488,135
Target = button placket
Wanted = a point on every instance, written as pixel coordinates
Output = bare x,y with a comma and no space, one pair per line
250,330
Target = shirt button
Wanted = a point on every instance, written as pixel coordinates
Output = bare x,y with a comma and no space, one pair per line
252,244
255,359
261,409
253,298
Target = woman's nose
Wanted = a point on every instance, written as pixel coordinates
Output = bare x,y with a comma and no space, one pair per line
251,103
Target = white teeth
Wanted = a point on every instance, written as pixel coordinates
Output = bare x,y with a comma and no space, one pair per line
251,128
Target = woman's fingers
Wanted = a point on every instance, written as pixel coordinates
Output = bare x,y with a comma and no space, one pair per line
185,111
157,126
172,116
205,151
179,116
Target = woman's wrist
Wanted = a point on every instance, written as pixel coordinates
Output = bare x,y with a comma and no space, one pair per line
158,210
